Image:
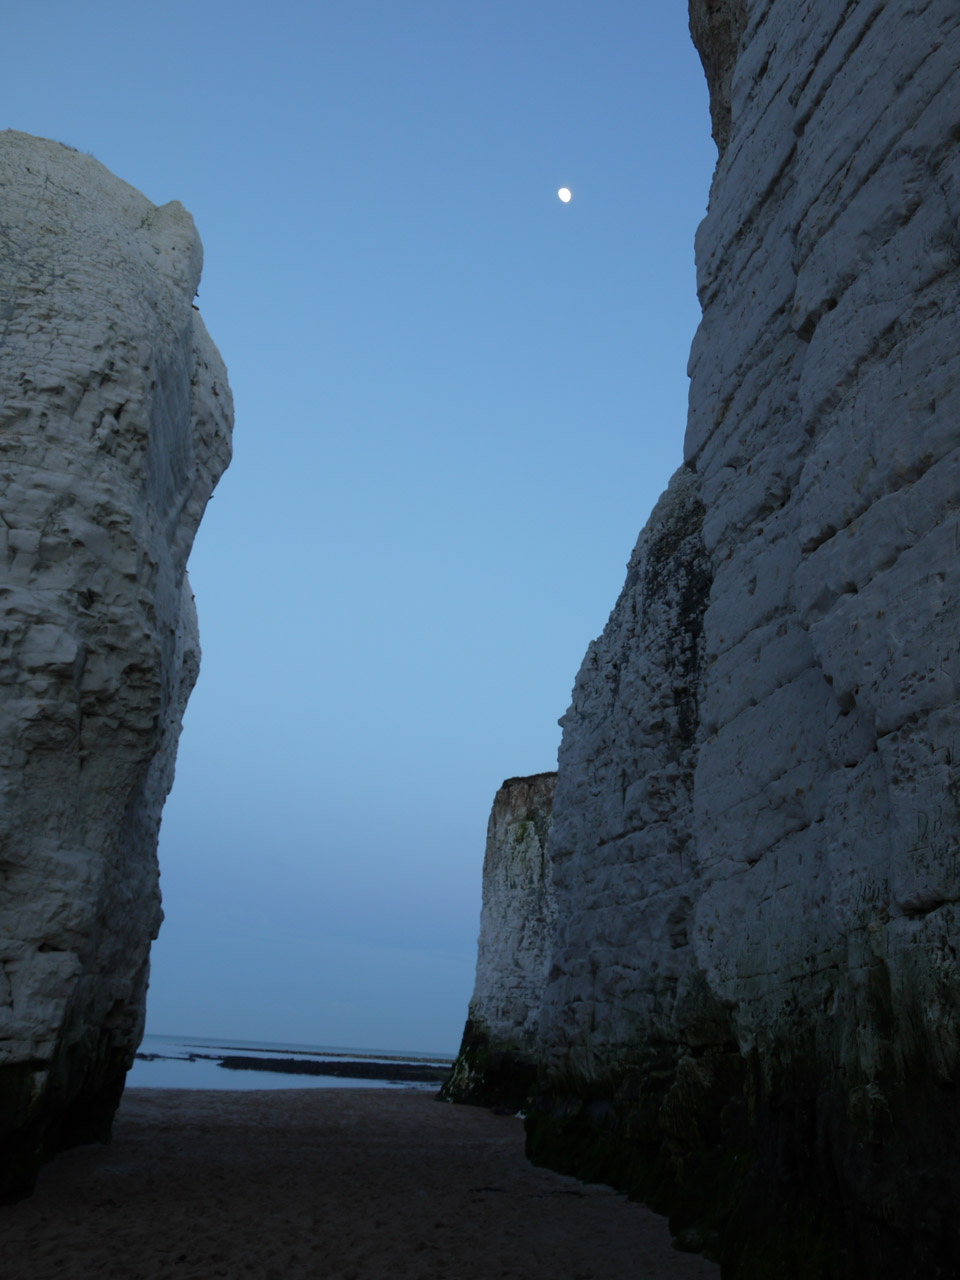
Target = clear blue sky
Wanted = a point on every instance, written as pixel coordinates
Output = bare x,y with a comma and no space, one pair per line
457,400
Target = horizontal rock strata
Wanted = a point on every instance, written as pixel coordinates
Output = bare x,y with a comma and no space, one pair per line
115,418
751,1011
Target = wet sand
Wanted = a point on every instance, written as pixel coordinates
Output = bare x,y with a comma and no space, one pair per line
345,1184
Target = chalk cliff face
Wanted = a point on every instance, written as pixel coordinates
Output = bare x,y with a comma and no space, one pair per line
514,949
751,1009
115,419
621,849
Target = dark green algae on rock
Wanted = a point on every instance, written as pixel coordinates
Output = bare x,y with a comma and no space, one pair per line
485,1075
770,1174
59,1105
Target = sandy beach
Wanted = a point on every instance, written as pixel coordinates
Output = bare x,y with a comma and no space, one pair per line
345,1184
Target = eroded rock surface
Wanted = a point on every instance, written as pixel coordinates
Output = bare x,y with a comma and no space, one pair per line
716,27
115,419
751,1013
621,849
516,941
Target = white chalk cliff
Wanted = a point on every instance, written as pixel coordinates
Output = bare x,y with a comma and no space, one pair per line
115,420
751,1011
514,949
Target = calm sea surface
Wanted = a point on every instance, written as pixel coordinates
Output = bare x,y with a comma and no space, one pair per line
177,1063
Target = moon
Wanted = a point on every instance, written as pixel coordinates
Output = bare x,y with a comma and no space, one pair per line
565,193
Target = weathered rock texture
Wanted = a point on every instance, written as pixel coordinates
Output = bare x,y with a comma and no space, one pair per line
752,1011
516,933
115,419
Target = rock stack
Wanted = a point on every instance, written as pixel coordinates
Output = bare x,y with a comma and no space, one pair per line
115,420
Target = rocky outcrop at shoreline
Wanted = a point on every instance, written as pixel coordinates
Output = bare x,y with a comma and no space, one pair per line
516,932
115,420
749,1014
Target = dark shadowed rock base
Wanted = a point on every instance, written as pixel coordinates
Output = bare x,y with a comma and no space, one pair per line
770,1183
485,1075
77,1104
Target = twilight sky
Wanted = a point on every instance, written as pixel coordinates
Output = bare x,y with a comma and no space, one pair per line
457,399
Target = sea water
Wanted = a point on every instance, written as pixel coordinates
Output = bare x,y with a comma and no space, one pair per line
188,1063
